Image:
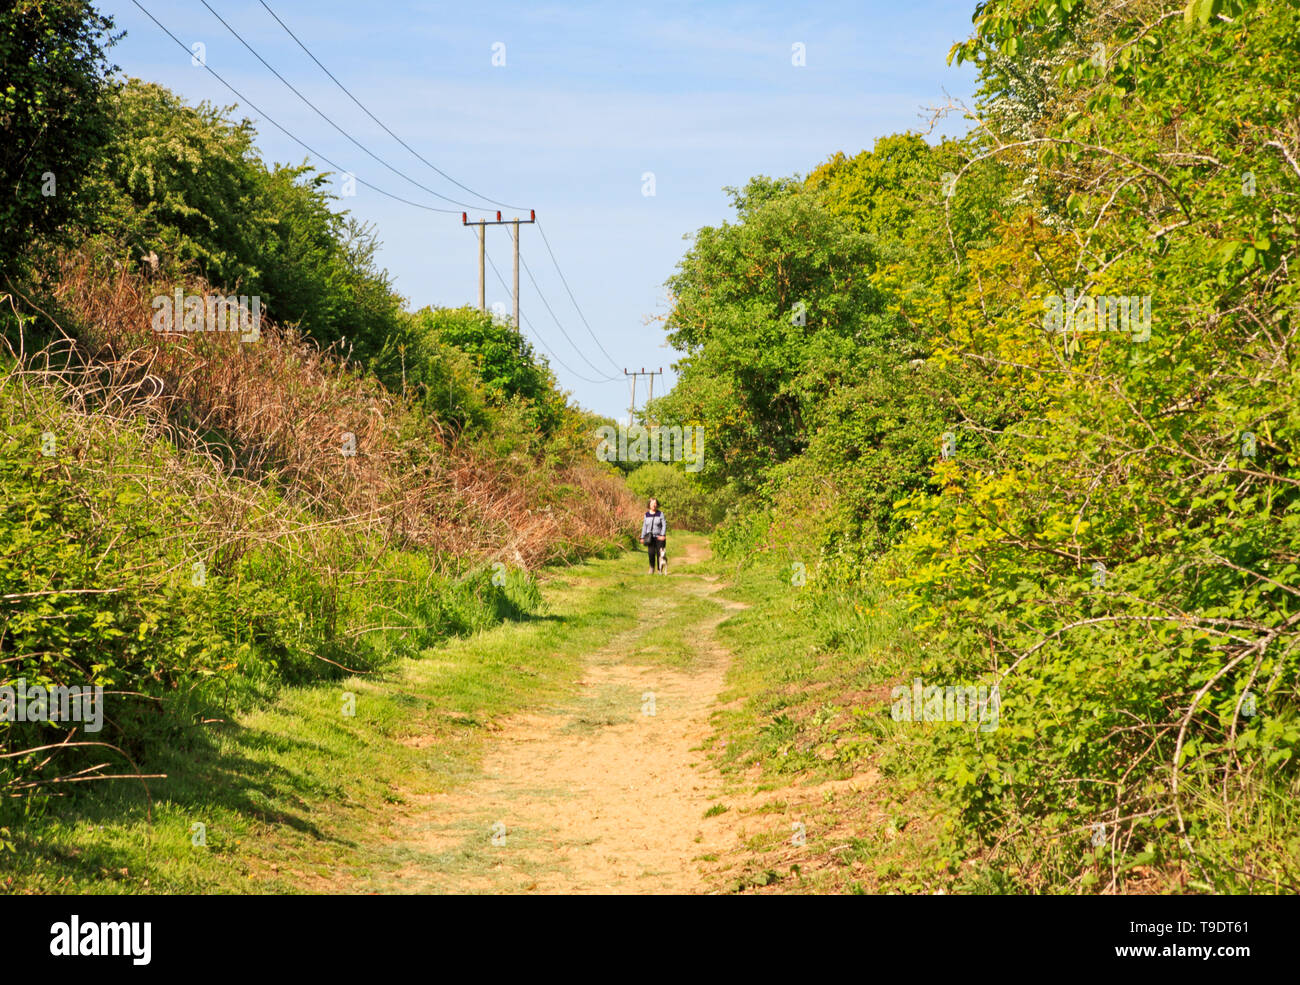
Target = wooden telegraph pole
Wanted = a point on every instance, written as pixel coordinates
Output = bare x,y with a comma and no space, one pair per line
482,253
482,271
634,374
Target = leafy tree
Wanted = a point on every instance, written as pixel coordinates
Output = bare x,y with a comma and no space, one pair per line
770,312
863,240
185,182
181,181
53,63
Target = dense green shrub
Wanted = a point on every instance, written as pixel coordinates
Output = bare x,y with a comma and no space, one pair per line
681,496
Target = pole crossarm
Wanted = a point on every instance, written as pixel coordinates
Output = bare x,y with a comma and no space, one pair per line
465,220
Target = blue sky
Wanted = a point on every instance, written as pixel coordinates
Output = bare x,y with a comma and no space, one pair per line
590,98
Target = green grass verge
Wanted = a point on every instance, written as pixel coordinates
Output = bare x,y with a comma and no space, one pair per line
807,696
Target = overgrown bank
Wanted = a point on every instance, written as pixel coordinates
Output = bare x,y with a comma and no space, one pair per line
1030,395
195,518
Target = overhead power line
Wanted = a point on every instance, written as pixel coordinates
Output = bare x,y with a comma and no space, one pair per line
360,146
315,153
379,121
579,351
537,335
239,95
565,282
434,167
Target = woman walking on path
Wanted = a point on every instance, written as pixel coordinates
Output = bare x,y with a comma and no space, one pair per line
654,534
